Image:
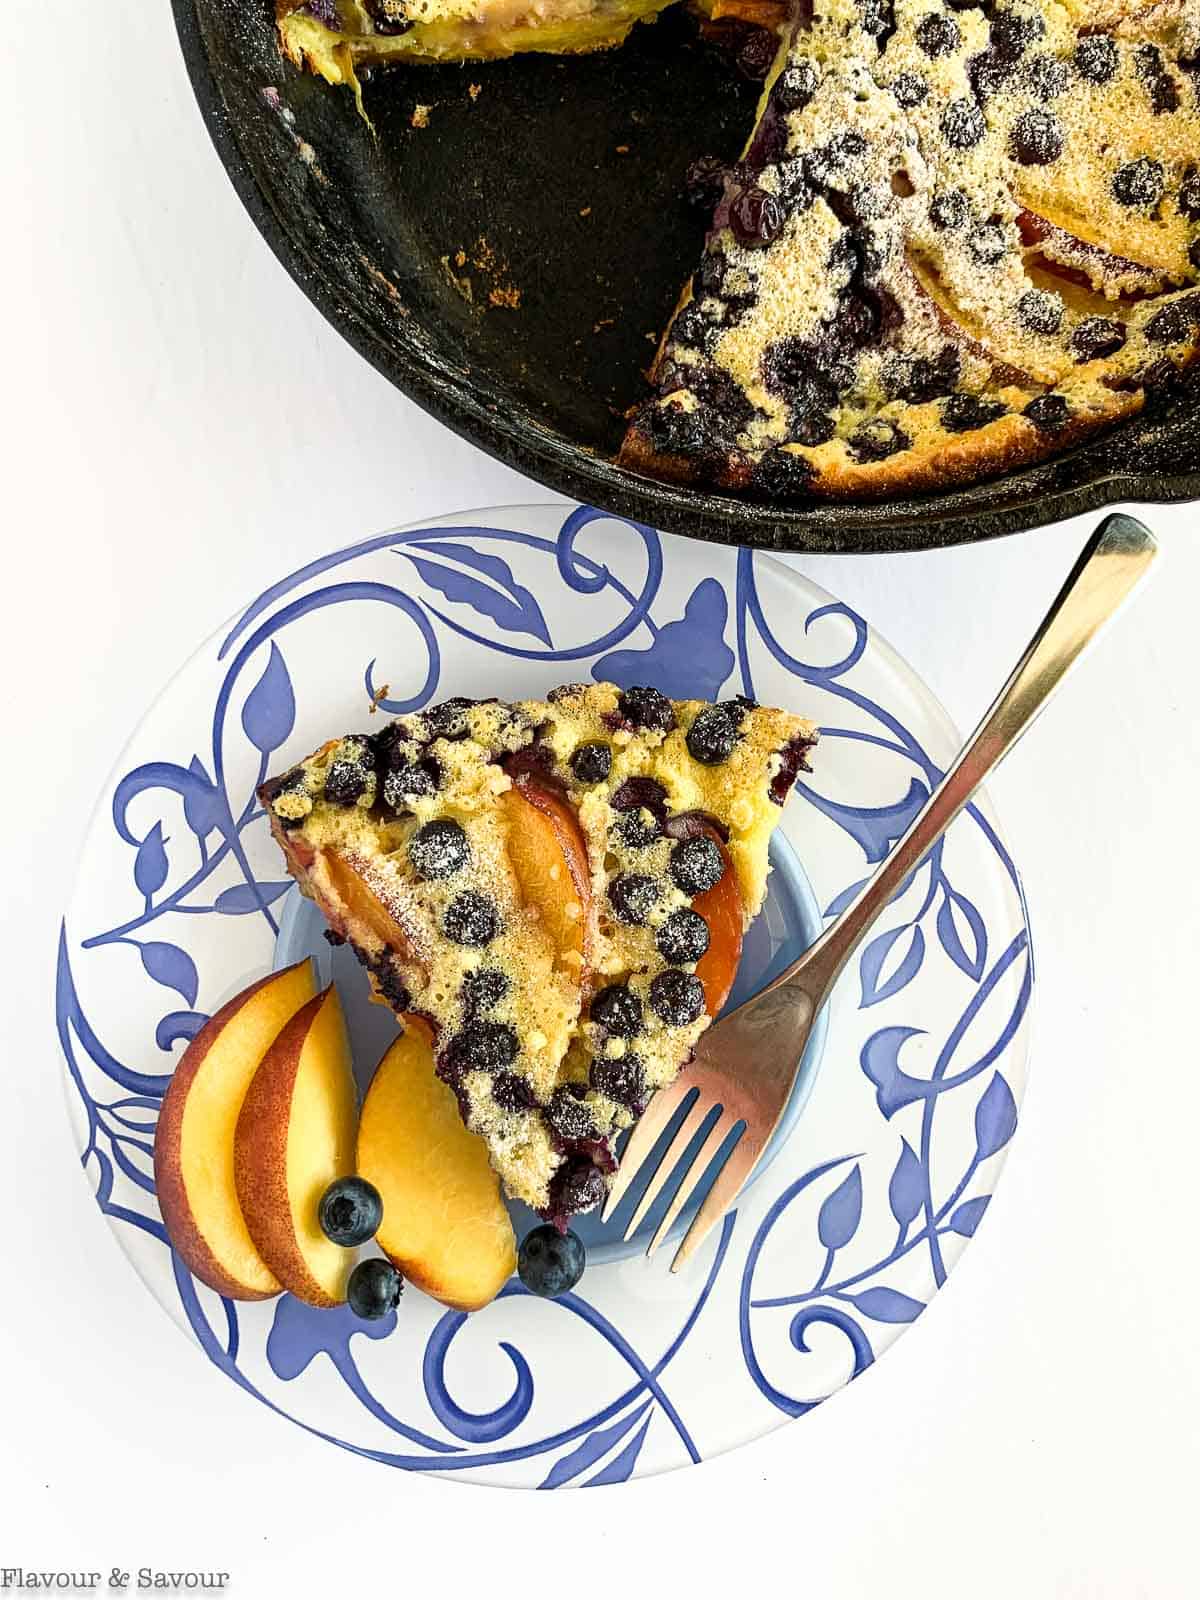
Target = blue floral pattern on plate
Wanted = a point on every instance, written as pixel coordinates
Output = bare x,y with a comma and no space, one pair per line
891,1167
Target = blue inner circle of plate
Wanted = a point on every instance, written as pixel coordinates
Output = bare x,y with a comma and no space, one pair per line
789,922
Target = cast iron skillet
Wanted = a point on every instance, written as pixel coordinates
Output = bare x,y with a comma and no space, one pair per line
557,186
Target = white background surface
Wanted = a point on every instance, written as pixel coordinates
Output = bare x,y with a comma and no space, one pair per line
167,397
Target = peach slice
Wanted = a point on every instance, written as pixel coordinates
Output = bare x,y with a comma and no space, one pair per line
721,908
295,1135
193,1146
549,857
444,1223
349,876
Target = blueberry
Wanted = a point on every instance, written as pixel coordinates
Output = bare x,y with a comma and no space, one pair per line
712,736
439,849
1096,337
1048,412
909,88
1040,312
949,210
350,1211
617,1009
876,439
962,412
1189,194
569,1113
512,1093
756,218
782,474
677,997
448,720
795,86
591,763
374,1289
1046,76
483,989
1012,32
411,780
1164,92
345,782
633,897
682,937
1138,183
962,123
989,73
577,1186
642,794
756,54
391,985
550,1263
938,35
918,379
697,864
1036,139
471,918
1176,321
1096,58
704,182
647,708
620,1078
481,1047
638,830
987,243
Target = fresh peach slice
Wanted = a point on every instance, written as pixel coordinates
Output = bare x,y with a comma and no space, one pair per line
295,1135
194,1143
549,857
721,908
444,1223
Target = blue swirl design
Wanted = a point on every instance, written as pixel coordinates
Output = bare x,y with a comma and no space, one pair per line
186,823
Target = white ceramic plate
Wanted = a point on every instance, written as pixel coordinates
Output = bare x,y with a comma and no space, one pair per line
840,1243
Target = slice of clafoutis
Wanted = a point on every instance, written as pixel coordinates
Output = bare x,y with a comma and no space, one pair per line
295,1135
194,1143
558,887
444,1221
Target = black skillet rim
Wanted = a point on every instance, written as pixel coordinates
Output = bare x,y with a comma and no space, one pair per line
1044,493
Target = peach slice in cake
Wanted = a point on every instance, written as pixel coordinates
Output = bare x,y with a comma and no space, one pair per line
557,888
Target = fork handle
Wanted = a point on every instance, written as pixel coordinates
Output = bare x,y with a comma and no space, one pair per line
1114,561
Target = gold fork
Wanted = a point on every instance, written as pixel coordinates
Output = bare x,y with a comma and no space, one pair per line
745,1065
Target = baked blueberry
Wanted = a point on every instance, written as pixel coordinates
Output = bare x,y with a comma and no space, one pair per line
910,89
1175,322
642,793
592,763
481,1047
1049,413
569,1113
704,182
918,379
987,243
990,72
617,1009
1046,76
682,937
449,719
633,896
483,989
577,1186
374,1289
512,1093
647,708
411,780
795,86
471,918
1096,337
962,412
620,1078
439,849
350,1211
638,829
949,209
1164,92
938,34
963,124
756,53
697,864
1040,312
1139,183
1036,139
677,997
1012,32
756,218
712,736
1096,58
781,474
876,439
550,1263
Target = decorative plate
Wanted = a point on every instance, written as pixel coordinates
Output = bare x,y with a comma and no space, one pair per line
889,1166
